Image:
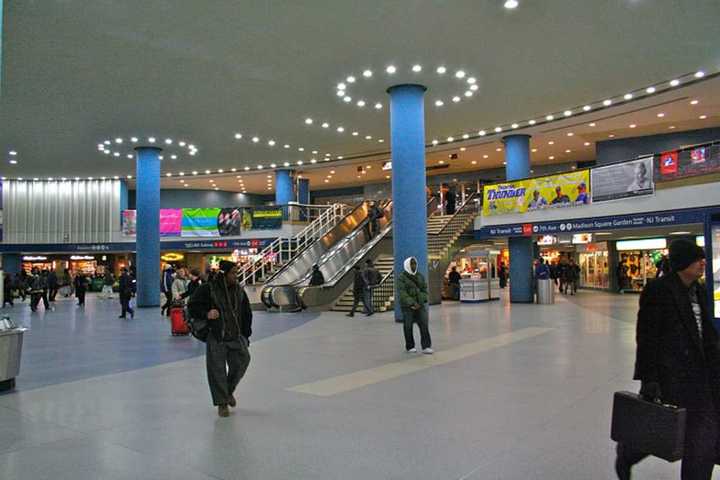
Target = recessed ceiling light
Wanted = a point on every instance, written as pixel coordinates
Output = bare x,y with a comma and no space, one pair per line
468,93
435,141
367,73
514,125
207,172
607,102
117,154
442,162
255,139
612,135
195,172
107,142
587,144
340,129
592,124
549,117
650,90
587,108
238,136
534,150
134,139
368,137
301,149
498,129
151,139
511,4
168,141
551,142
416,68
450,139
350,79
674,83
702,117
308,121
498,149
378,106
570,134
471,80
441,70
474,87
460,74
699,74
694,102
439,103
13,162
671,127
341,93
486,156
347,99
168,174
660,115
286,146
567,113
532,122
456,99
628,96
118,140
380,140
391,69
568,150
361,103
129,155
474,162
551,157
325,125
462,149
260,167
482,133
341,86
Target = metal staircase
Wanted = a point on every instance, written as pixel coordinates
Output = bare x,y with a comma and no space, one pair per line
443,233
381,302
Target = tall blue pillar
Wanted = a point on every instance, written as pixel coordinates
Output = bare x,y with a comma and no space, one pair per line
284,189
303,197
407,136
11,263
148,226
517,166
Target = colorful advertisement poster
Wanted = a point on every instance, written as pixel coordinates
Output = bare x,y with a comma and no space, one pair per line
170,222
269,218
552,191
690,162
129,222
200,222
668,163
229,221
716,267
623,180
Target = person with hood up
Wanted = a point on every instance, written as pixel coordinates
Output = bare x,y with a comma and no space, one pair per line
223,302
413,294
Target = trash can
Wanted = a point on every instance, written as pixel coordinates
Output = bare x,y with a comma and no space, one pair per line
11,340
545,291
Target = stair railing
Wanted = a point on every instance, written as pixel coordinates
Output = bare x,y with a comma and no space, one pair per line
470,206
383,291
282,249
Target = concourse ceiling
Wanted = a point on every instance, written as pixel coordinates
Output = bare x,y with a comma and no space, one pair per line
75,73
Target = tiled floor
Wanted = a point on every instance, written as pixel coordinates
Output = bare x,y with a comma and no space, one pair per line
521,392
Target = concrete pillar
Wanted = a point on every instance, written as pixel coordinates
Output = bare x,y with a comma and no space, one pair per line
148,226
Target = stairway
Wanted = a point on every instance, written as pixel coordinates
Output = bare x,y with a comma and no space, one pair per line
384,265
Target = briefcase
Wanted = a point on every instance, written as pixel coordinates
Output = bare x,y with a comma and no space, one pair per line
648,427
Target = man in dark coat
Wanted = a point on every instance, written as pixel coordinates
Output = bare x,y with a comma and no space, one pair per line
316,278
125,291
374,216
678,359
223,302
358,291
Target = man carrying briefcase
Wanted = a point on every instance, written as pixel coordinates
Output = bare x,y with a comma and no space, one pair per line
678,360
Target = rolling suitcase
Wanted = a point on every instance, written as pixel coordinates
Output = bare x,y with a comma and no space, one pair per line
649,427
178,325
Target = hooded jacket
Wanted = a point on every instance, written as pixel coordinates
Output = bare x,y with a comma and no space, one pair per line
412,288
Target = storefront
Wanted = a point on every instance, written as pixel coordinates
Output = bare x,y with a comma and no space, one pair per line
87,264
594,263
637,262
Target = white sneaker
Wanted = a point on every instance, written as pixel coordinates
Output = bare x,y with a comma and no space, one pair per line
428,351
412,350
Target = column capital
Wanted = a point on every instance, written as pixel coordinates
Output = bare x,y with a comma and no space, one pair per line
148,147
515,135
406,85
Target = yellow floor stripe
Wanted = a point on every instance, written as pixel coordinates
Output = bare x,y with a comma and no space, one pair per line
351,381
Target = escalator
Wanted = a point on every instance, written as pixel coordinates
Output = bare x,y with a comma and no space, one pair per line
335,253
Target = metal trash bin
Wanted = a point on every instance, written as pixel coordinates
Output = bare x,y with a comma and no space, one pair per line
11,340
545,291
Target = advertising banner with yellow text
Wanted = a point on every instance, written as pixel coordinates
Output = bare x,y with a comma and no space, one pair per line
553,191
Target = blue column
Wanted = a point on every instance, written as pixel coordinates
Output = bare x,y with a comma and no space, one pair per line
303,196
11,262
517,166
407,137
148,226
284,189
124,197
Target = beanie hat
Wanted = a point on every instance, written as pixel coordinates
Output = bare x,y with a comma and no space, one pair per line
226,266
684,253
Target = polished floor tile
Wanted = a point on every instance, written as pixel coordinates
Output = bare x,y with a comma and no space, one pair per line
494,403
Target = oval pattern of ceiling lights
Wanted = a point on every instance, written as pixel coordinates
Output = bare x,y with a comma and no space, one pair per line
465,87
124,147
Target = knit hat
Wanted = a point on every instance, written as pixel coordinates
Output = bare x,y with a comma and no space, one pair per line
684,253
226,266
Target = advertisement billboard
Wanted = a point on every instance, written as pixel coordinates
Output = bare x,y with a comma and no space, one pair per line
269,218
552,191
200,222
623,180
689,162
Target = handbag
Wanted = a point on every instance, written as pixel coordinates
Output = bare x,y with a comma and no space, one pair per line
649,427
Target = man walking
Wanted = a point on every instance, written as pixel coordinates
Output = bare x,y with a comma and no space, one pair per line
372,280
413,293
108,282
125,290
678,359
223,302
166,288
52,281
358,291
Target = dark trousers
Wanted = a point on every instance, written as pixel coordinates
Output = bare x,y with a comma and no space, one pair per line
226,364
365,297
35,300
80,294
125,305
53,293
411,317
701,449
166,306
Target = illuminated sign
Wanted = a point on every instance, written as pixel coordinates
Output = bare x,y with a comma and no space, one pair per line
30,258
580,238
547,240
644,244
172,257
82,257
